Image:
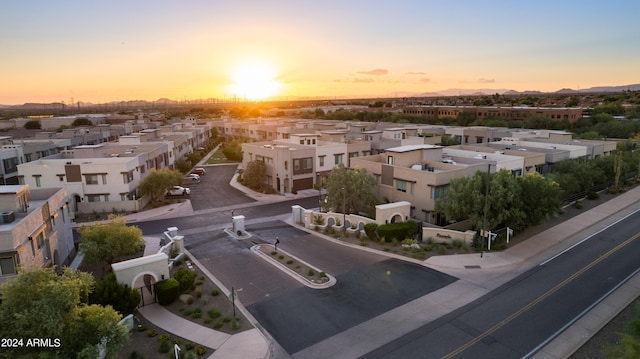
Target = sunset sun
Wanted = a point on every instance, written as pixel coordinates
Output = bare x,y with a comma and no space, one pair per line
254,81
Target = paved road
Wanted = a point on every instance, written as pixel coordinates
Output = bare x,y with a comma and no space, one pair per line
514,319
214,190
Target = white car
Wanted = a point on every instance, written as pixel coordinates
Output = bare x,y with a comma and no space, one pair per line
178,191
192,178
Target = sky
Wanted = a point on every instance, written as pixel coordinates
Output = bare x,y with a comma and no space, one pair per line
117,50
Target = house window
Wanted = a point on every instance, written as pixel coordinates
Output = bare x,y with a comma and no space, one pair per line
302,142
338,159
321,160
353,154
401,185
439,191
91,179
10,164
93,198
302,165
127,177
104,178
37,178
7,266
411,187
286,165
61,178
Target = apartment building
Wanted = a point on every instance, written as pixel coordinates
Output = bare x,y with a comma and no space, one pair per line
418,174
35,229
302,160
101,177
516,113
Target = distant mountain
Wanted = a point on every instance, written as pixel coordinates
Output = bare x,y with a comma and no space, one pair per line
634,87
398,94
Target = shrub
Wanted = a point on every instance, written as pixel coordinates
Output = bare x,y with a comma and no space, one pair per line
198,292
190,345
290,261
215,293
370,229
593,195
152,333
212,313
281,257
200,350
226,319
185,277
398,231
163,338
318,219
218,325
311,272
165,346
167,291
579,204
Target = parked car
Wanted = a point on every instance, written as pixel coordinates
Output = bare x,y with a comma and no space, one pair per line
178,191
198,171
192,177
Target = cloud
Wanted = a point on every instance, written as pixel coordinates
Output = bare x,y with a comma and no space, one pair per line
486,81
424,80
356,80
414,73
376,72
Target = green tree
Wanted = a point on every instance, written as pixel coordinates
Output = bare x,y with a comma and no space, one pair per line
108,291
82,121
233,150
465,199
183,165
540,197
255,175
159,181
33,125
40,303
353,186
105,242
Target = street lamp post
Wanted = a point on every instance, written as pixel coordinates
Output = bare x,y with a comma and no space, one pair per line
485,231
344,210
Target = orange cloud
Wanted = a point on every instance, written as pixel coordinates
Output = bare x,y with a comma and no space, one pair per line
486,81
376,72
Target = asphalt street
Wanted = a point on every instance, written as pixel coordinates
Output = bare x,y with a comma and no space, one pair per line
513,320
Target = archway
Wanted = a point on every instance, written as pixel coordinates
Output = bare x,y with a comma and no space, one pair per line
145,282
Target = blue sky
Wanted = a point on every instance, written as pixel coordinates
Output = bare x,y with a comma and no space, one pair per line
103,51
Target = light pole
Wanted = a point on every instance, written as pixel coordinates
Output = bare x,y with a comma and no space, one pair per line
344,210
485,231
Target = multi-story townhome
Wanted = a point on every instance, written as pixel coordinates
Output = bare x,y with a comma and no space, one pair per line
35,229
101,177
300,161
419,174
520,113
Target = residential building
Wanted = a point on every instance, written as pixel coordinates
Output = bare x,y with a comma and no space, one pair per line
35,229
516,113
301,161
102,177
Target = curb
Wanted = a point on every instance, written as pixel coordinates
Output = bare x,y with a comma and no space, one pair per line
332,280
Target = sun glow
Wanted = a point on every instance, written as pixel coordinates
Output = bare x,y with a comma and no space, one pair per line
254,81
